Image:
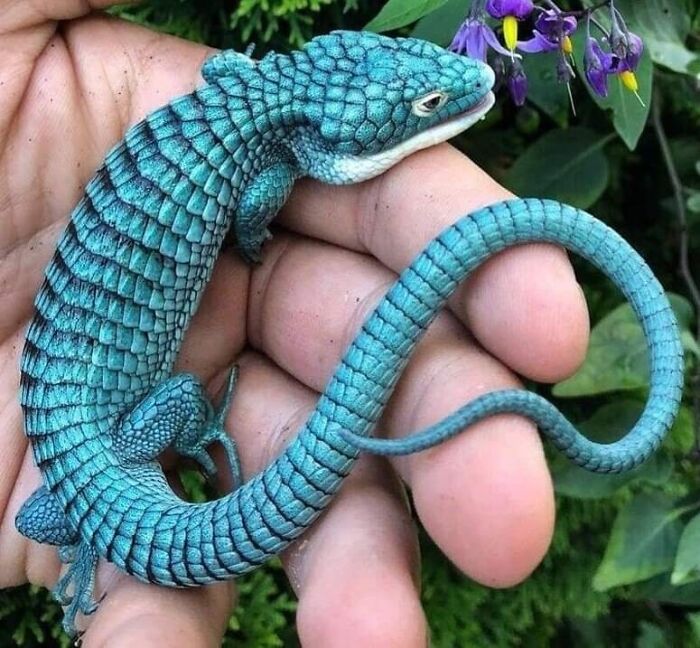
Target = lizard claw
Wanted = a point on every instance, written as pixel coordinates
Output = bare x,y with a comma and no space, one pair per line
214,431
251,249
81,575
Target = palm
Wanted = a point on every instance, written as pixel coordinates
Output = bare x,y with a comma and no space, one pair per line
69,96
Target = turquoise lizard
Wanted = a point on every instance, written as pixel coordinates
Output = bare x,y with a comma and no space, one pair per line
99,401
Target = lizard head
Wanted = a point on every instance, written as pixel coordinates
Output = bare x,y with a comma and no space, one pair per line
368,101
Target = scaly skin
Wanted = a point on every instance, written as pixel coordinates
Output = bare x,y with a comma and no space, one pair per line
97,395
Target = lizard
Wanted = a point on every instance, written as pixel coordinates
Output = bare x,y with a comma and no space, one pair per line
98,396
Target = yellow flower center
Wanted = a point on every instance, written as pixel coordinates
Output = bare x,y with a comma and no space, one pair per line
566,45
510,32
629,80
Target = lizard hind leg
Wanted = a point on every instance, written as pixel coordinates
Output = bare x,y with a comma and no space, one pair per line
178,413
42,519
193,442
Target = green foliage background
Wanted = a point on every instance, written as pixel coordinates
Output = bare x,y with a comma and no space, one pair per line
624,566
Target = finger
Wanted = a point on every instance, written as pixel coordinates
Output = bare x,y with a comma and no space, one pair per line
540,326
488,498
22,15
21,559
85,91
217,332
138,614
355,570
131,613
74,99
143,73
25,30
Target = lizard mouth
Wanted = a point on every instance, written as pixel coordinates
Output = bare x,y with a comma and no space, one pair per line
455,125
360,168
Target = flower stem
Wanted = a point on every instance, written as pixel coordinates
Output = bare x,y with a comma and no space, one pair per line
601,28
583,13
684,250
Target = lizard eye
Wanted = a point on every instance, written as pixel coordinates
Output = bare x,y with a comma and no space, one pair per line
428,104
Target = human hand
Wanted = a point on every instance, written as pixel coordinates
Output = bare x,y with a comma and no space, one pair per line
69,91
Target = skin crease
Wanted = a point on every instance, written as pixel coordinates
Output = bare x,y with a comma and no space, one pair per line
68,90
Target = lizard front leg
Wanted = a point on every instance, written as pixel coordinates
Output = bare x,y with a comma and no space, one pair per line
259,204
177,413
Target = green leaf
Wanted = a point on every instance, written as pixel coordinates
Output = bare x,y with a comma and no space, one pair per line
629,112
643,542
651,636
617,353
608,424
681,437
690,344
694,621
659,588
684,311
686,153
399,13
193,483
569,166
441,25
687,565
694,202
543,89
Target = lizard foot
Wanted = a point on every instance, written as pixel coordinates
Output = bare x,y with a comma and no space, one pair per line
81,575
178,413
250,248
212,432
258,205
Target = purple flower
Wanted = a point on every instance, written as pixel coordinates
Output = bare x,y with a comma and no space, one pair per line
553,24
634,51
474,37
538,43
627,52
626,46
552,32
510,11
520,9
517,82
597,65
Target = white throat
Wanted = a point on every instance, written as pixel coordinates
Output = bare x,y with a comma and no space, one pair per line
358,168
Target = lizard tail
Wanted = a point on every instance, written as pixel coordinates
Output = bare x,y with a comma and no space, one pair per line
520,221
154,535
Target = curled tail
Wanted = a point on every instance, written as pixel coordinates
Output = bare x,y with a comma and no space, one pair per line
520,221
130,516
